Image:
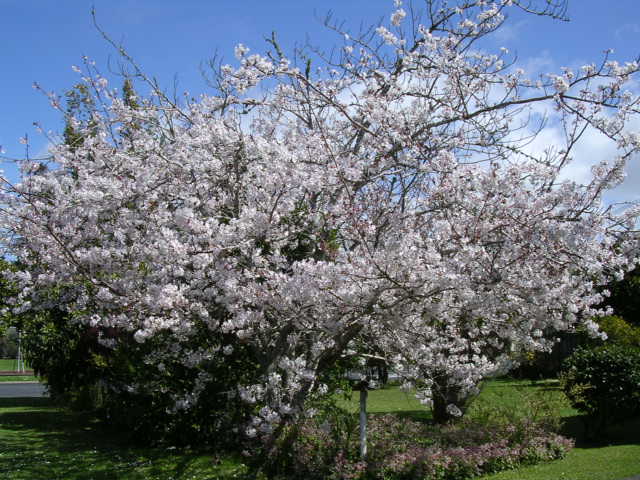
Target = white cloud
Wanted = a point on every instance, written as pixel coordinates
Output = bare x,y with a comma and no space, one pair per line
627,30
538,65
509,32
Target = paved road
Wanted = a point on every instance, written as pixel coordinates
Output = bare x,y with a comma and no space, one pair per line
21,389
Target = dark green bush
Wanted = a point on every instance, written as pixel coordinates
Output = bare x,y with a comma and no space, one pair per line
604,383
123,384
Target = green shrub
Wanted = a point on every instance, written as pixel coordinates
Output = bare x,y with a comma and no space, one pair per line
604,383
519,407
620,331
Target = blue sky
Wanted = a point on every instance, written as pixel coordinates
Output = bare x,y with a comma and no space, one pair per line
40,40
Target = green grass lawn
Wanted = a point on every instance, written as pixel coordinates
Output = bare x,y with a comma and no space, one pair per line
614,457
17,378
613,462
39,441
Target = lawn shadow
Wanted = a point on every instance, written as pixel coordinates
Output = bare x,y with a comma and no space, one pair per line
423,416
622,433
20,402
544,384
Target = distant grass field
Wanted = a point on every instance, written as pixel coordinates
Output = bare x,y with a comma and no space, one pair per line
9,364
12,364
388,400
506,393
41,442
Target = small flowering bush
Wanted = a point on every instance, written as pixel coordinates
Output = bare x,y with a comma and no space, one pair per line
408,449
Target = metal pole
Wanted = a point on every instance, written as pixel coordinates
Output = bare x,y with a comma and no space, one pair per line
363,422
20,361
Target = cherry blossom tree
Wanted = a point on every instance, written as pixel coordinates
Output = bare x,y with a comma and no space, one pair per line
386,196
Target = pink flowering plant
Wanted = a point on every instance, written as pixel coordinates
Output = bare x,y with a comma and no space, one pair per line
408,449
251,240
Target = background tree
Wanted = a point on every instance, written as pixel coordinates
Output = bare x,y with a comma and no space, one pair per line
9,344
8,320
625,297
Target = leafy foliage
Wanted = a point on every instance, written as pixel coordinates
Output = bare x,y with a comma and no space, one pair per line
62,353
603,382
625,297
619,331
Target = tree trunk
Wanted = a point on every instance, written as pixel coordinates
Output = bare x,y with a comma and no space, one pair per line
445,395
